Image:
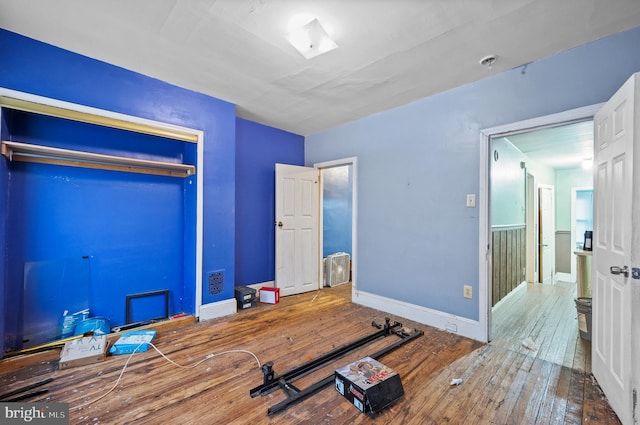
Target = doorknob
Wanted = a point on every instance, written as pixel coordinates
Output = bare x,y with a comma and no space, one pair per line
619,270
280,224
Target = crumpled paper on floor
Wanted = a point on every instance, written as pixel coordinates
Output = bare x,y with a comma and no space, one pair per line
528,343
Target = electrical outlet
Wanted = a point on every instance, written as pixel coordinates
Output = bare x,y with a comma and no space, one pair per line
471,200
468,291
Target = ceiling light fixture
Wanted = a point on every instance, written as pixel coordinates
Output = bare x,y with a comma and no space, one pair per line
311,39
489,60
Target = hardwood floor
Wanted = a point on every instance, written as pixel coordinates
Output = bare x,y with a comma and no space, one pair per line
503,382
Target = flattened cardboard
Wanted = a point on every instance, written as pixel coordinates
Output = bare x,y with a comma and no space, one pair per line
83,351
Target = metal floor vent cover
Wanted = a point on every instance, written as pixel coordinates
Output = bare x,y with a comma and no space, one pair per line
216,282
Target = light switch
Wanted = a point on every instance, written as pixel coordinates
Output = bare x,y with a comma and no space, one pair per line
471,200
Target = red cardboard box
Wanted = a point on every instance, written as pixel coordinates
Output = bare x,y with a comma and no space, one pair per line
270,295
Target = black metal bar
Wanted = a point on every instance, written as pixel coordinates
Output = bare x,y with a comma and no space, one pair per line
274,382
25,388
26,396
296,398
322,384
405,338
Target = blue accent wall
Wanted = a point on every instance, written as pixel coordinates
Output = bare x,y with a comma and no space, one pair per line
417,241
137,203
5,301
258,149
130,226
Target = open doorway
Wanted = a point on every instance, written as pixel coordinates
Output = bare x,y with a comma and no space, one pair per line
514,171
338,206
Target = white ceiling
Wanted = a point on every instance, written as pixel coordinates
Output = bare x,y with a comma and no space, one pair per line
390,52
561,147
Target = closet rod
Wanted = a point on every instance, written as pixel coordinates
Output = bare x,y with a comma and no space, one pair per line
15,151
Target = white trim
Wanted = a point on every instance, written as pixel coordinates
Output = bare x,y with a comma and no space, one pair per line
509,226
504,301
218,309
552,188
574,236
564,277
586,112
29,97
531,202
161,125
268,284
321,262
199,220
484,240
353,161
449,322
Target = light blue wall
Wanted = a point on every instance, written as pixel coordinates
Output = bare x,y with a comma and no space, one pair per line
565,181
507,184
417,241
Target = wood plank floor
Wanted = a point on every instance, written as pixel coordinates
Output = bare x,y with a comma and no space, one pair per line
503,382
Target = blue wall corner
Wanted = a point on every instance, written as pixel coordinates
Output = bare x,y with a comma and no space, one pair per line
5,302
258,149
52,72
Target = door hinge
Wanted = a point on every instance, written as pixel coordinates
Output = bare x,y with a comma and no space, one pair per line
634,409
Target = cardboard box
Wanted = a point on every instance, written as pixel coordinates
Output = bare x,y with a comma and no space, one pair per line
133,342
246,297
369,385
243,305
245,293
83,351
270,295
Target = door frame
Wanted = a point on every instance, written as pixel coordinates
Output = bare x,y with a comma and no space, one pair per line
531,219
574,235
129,123
542,225
353,161
484,247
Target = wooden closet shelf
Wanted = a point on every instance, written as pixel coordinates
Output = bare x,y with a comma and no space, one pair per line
15,151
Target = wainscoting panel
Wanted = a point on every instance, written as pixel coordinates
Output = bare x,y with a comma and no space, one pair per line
509,260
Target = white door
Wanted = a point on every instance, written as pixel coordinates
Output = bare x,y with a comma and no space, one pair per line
547,234
297,238
616,231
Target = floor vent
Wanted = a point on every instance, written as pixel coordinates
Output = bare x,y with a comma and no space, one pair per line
216,282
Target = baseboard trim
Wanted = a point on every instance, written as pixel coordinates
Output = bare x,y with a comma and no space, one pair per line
564,277
510,295
448,322
217,309
268,284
